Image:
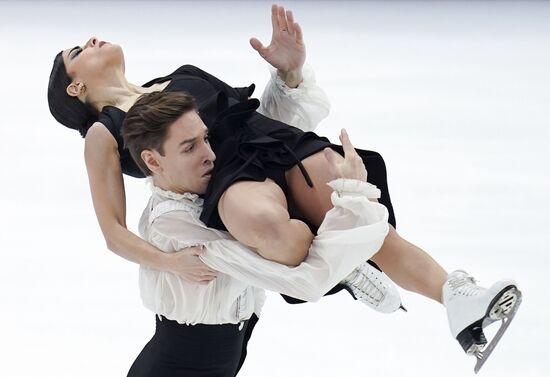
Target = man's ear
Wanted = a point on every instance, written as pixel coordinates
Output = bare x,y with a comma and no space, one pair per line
75,89
151,160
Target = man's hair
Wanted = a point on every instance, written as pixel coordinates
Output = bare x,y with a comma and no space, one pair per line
148,120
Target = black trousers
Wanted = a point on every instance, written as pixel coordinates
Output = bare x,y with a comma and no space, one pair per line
194,350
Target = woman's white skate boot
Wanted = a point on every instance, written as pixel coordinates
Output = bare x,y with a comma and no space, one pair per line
373,288
470,308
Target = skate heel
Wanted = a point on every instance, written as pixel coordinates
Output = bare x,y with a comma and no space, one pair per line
472,339
504,309
504,304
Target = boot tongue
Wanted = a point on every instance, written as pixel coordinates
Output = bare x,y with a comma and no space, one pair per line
464,285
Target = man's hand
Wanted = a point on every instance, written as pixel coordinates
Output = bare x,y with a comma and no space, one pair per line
187,264
351,167
287,51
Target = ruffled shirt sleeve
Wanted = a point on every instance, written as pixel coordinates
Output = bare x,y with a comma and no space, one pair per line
353,230
302,107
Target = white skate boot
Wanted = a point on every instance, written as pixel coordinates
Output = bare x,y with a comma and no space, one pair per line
373,288
470,308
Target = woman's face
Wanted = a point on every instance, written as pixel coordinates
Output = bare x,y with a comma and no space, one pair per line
93,61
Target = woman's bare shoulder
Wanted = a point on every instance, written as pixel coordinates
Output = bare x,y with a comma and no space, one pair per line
99,136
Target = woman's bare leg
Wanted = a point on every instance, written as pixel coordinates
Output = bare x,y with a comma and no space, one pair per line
256,214
406,264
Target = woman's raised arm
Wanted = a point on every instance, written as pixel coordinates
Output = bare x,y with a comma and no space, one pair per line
108,196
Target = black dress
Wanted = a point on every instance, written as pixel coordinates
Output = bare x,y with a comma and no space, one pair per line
248,145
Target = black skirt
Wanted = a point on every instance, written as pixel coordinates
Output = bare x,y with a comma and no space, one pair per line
253,147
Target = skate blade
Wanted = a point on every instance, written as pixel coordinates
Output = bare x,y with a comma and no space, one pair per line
504,310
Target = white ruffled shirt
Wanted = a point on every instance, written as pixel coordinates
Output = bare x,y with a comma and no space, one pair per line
302,107
350,234
352,231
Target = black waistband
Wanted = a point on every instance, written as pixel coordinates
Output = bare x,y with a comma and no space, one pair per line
204,330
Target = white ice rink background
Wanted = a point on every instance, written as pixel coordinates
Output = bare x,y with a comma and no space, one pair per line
455,95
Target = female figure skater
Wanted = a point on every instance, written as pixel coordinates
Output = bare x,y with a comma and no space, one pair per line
88,79
260,161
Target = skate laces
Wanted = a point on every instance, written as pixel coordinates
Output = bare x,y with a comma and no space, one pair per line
366,285
464,285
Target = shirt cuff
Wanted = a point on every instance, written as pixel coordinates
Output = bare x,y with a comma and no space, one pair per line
354,188
308,79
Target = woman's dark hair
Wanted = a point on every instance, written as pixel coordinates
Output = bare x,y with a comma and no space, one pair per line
148,120
67,110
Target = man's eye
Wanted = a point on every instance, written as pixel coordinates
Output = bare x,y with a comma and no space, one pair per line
207,139
190,148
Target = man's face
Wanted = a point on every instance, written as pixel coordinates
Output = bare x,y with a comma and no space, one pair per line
188,159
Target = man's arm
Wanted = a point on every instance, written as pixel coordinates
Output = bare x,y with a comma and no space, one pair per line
351,233
292,95
303,107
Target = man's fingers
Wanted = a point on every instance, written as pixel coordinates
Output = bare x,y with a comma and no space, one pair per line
257,45
281,15
329,155
290,21
298,32
346,144
275,18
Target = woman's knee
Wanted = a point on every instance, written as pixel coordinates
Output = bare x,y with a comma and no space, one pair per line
279,238
287,242
256,214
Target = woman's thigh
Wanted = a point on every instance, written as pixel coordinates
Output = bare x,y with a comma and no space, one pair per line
248,208
311,202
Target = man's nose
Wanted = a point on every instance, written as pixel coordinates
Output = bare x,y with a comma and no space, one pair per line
210,156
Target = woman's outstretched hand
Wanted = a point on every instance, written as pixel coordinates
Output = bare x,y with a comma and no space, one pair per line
287,51
351,167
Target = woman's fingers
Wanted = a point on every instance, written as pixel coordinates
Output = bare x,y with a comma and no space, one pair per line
208,274
204,270
195,250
